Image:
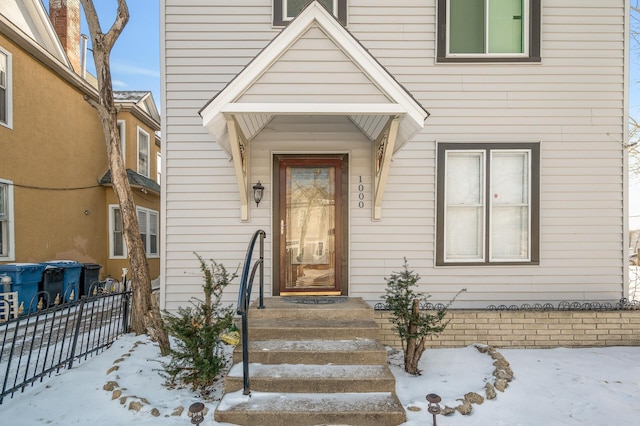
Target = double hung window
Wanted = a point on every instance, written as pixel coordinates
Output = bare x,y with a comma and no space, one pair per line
285,10
122,127
143,152
488,198
5,89
6,222
488,30
148,223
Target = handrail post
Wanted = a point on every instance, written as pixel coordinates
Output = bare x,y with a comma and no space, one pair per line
243,300
261,305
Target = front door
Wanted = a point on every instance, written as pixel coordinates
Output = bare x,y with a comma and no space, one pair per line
310,219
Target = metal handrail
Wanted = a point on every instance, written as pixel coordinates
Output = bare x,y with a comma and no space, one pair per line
244,296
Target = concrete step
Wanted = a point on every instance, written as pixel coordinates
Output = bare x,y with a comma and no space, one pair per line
310,378
271,409
349,352
313,329
311,307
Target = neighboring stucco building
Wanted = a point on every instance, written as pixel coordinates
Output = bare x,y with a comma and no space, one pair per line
482,140
55,197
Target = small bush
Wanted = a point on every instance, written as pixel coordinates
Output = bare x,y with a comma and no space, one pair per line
412,324
198,357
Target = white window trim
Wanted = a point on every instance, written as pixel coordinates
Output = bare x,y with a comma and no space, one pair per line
9,89
113,207
483,183
141,130
158,168
122,125
491,212
525,36
11,253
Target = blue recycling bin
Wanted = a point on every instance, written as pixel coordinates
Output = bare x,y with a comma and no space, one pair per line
26,278
71,277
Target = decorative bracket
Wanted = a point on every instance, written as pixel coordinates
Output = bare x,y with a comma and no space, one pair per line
383,151
240,156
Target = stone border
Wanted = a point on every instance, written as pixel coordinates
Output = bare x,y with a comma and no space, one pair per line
502,376
136,403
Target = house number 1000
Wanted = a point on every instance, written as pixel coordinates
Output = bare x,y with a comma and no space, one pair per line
361,194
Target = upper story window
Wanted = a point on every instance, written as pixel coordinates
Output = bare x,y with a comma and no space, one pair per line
143,152
488,197
6,221
488,30
122,127
285,10
6,116
158,167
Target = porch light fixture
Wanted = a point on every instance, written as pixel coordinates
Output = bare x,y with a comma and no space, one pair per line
258,191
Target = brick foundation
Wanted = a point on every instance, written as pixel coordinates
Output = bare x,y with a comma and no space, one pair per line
531,329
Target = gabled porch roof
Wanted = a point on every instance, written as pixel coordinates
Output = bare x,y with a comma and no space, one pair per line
278,82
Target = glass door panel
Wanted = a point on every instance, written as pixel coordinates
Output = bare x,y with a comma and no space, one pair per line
308,226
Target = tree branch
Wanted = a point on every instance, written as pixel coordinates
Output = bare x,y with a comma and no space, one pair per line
122,17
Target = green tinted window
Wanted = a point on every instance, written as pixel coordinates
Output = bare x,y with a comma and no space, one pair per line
466,23
486,26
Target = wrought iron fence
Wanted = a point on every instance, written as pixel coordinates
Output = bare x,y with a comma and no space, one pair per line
42,343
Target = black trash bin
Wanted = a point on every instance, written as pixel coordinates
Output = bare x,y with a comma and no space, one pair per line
52,283
89,277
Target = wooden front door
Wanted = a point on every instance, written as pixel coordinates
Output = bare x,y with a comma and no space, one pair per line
310,226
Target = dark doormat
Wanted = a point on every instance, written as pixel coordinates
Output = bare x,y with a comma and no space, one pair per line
316,300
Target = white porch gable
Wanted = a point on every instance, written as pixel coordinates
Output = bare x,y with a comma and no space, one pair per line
281,80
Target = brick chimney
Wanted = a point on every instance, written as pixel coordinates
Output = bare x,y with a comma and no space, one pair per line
65,17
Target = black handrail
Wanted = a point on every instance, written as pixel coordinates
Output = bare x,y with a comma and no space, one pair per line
244,296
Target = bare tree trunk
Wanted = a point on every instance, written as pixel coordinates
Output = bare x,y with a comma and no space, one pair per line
145,315
412,352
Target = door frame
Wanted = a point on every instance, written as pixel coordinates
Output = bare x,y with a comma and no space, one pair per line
341,217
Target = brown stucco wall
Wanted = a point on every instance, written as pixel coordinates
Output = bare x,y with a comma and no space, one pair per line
55,154
55,143
533,329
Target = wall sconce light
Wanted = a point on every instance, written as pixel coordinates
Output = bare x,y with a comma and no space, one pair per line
258,191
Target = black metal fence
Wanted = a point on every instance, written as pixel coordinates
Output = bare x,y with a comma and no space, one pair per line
42,343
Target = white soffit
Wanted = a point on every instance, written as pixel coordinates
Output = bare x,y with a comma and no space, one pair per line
370,117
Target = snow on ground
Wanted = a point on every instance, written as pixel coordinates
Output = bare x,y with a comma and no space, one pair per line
551,387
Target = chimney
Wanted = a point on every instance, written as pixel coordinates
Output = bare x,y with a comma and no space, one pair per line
65,17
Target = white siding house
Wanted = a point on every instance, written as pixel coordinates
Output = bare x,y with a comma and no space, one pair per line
482,141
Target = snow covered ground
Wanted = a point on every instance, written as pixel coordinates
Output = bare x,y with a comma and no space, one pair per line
551,387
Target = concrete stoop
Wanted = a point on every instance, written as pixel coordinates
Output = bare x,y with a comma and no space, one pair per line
312,364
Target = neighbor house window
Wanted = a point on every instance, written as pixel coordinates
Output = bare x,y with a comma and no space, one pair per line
123,139
116,232
488,198
488,30
5,89
143,152
148,224
285,10
6,221
158,167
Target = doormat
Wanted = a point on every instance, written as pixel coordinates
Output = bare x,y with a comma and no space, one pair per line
316,300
